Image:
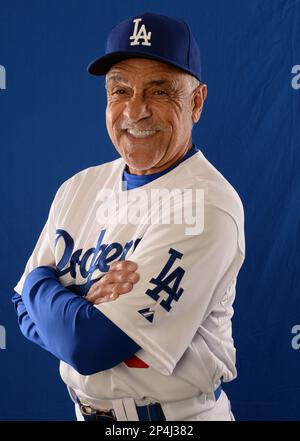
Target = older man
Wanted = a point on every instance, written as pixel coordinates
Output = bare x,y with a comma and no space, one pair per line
137,305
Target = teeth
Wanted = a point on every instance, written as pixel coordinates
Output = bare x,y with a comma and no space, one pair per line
141,133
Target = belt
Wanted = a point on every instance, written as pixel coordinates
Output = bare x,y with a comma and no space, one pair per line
150,412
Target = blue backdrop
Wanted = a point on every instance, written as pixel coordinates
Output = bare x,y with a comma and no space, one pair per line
52,124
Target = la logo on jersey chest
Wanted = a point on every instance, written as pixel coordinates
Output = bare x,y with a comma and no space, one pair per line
140,35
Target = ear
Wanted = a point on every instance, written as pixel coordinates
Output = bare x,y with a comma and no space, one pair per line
199,96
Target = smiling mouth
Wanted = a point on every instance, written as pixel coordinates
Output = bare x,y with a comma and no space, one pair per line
141,133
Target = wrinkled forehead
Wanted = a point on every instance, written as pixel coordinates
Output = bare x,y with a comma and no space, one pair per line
145,71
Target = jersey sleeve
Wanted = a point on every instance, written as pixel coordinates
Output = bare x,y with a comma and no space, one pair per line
182,277
43,252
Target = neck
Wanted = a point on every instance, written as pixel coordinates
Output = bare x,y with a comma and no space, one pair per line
176,158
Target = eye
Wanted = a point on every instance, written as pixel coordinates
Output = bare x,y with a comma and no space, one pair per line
119,91
160,92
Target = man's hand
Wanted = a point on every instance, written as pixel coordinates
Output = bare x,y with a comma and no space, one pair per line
119,280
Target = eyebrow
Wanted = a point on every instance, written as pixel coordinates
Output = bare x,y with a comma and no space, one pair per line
116,78
119,78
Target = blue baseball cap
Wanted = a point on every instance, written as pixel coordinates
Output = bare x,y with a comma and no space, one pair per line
152,36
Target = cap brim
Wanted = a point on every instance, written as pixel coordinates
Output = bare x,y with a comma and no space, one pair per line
101,65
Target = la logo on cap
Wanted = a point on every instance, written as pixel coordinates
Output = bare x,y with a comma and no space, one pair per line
140,34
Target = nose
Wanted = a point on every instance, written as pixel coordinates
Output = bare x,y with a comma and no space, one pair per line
136,108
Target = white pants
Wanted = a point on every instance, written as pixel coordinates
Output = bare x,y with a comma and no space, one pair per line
220,411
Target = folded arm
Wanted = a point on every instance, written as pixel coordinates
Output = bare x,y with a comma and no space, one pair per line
69,326
26,325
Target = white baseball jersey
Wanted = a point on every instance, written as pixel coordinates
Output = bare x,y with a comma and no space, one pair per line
180,311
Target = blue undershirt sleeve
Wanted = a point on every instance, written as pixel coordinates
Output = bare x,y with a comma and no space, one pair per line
69,326
26,325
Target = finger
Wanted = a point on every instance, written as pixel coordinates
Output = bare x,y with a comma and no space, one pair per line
111,290
100,288
126,265
101,300
134,277
122,288
119,277
101,291
116,290
95,286
108,298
